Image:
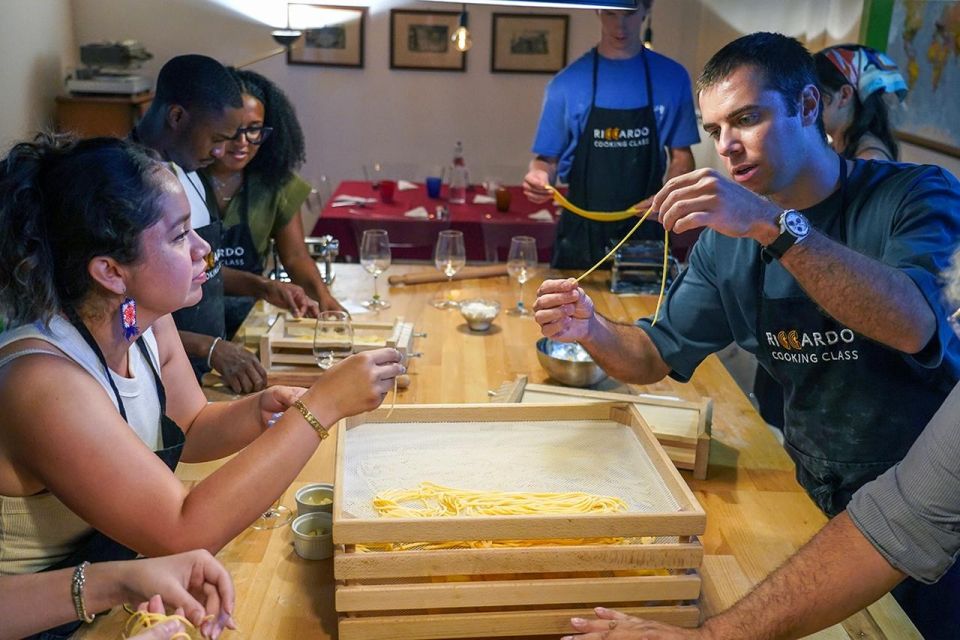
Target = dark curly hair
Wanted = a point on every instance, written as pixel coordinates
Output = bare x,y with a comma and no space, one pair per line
62,203
283,152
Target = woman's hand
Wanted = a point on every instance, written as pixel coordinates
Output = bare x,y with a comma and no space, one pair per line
358,383
275,400
193,582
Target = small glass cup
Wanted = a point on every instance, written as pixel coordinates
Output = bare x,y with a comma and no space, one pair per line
434,183
332,337
387,190
502,195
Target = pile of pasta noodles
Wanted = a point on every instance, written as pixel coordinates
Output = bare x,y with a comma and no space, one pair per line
431,500
140,621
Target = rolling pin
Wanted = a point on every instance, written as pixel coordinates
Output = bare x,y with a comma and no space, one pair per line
425,277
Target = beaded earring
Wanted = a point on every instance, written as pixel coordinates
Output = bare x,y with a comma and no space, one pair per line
128,318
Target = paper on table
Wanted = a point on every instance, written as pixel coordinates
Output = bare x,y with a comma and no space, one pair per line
543,214
354,199
353,308
405,185
482,199
417,212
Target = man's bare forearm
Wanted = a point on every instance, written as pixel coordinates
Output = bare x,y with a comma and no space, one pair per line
832,577
624,351
242,283
871,298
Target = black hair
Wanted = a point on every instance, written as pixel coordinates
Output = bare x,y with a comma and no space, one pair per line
786,65
62,203
283,152
197,83
869,116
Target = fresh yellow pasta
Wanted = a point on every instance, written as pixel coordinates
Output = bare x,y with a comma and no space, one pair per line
140,621
614,216
438,501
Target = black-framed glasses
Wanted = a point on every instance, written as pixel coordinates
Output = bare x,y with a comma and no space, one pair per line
254,135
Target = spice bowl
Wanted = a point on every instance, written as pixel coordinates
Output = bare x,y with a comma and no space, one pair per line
314,497
313,535
479,313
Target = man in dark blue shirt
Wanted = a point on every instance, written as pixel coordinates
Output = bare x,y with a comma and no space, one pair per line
826,269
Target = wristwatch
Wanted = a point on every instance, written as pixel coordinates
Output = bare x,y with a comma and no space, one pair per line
794,227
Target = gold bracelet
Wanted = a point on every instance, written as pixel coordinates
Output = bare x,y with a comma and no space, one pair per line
311,420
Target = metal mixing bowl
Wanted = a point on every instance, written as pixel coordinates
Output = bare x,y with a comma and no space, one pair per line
569,363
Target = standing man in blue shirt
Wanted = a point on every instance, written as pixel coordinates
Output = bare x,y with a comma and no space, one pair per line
827,269
607,120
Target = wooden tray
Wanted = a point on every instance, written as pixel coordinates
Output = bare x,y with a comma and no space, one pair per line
286,348
497,592
681,427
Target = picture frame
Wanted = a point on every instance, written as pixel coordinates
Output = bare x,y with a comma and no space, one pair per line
529,43
912,38
333,36
420,40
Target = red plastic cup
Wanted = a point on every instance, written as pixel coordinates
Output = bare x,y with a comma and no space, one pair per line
387,189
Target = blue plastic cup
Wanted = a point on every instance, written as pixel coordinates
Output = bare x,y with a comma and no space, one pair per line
433,186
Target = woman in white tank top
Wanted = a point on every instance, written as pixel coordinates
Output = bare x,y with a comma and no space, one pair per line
85,228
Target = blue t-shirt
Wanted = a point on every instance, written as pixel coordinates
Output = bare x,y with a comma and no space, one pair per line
905,216
620,85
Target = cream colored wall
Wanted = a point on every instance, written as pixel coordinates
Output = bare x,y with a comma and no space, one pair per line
36,48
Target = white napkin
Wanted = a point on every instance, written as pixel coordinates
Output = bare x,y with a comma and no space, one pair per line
344,200
405,185
417,212
482,199
543,215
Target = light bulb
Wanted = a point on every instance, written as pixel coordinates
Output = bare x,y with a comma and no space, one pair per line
461,39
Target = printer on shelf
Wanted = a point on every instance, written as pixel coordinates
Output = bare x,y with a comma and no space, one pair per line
108,68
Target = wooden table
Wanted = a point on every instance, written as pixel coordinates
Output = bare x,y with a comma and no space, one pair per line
757,514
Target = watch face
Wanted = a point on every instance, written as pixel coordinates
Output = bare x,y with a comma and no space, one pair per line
796,223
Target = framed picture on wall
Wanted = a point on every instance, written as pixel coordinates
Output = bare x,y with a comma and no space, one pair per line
421,40
529,43
332,35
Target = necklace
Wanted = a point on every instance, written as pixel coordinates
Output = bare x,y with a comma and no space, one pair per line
228,188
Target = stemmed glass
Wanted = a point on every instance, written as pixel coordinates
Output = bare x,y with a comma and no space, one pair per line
450,256
521,265
332,337
375,258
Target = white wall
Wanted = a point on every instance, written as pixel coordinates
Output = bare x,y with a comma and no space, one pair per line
36,47
353,116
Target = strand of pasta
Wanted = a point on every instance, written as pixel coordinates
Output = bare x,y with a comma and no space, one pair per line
140,621
393,402
615,216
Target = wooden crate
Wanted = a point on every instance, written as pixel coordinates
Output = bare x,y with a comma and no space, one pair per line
286,348
681,427
499,592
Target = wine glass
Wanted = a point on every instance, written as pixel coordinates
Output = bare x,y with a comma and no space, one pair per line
332,337
450,256
375,258
521,265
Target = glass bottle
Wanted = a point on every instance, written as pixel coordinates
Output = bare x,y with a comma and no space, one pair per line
459,178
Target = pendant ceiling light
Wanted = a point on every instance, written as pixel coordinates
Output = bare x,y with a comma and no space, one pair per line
461,36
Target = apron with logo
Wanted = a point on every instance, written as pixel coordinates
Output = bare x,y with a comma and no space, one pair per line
99,547
239,251
852,408
617,163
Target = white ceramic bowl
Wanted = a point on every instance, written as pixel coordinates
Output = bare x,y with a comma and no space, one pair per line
479,313
314,497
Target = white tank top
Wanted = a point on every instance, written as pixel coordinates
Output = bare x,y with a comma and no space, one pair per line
39,531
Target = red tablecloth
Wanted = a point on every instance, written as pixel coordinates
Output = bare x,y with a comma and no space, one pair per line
486,231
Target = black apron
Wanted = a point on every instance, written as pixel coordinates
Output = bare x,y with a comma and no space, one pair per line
239,251
207,316
98,547
846,418
616,164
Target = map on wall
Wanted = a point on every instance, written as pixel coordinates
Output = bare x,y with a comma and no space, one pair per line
925,43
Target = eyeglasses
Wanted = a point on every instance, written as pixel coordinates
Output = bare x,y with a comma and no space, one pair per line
254,135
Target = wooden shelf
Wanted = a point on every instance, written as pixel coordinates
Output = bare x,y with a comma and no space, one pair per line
101,115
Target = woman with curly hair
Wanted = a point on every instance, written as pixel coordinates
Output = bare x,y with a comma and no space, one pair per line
854,81
259,193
